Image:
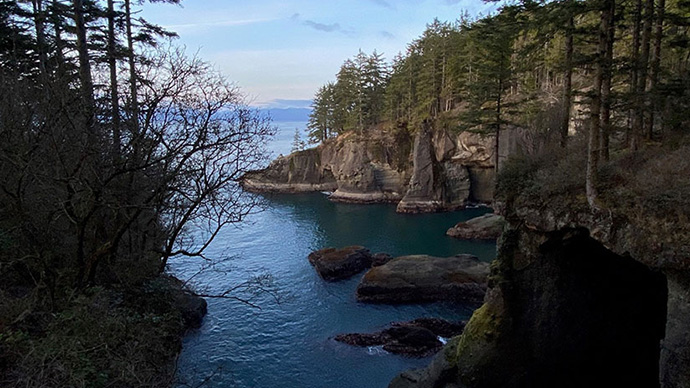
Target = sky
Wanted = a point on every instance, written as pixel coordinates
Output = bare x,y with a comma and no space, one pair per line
280,51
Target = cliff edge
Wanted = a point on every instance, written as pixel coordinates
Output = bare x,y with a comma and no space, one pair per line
580,297
426,171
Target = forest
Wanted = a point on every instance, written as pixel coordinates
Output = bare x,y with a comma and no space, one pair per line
117,152
617,70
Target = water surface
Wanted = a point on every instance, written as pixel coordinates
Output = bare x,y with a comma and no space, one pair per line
289,344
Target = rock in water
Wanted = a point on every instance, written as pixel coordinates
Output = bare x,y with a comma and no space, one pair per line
337,264
417,338
422,278
486,227
380,259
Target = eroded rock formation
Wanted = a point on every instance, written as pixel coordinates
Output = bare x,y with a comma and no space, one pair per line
576,299
434,170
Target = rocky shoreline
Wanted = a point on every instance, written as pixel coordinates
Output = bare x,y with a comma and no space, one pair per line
432,171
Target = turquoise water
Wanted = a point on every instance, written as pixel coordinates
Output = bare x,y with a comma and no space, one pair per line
287,342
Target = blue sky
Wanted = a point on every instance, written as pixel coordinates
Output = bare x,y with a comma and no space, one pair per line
282,50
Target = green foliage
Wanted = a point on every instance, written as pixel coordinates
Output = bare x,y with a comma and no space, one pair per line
354,102
103,338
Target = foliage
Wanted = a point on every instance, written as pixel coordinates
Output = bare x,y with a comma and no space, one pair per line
117,152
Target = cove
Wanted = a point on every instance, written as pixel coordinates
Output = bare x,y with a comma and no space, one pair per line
289,344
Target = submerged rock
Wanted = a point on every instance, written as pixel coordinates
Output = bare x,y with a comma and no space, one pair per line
422,278
486,227
417,338
337,264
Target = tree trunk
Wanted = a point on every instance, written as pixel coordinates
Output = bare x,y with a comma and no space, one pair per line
114,96
605,128
595,109
656,62
39,23
133,90
84,63
641,96
59,44
567,80
498,122
634,130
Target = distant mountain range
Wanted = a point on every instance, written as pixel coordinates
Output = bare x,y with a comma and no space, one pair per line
288,114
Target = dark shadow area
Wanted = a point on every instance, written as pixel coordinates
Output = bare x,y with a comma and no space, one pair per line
588,317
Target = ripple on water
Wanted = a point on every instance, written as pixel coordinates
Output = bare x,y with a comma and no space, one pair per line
291,344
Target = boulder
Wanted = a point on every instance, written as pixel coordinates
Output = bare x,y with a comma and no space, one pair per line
380,259
417,338
438,326
486,227
337,264
422,278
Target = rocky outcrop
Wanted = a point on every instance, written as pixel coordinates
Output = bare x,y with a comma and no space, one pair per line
440,171
434,186
337,264
421,278
441,372
301,171
576,298
417,338
367,168
486,227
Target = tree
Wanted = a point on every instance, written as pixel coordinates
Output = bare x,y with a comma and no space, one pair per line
297,143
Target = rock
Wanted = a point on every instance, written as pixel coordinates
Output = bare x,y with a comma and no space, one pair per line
337,264
298,172
482,184
358,168
424,192
439,172
193,309
362,339
440,373
436,184
422,278
412,341
486,227
380,259
417,338
440,327
475,149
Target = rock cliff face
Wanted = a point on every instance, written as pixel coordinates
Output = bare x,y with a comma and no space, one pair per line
575,299
433,170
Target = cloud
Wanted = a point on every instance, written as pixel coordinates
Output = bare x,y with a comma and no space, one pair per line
382,3
220,23
386,34
334,27
323,27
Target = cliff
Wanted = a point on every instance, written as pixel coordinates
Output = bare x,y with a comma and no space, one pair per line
430,170
580,297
